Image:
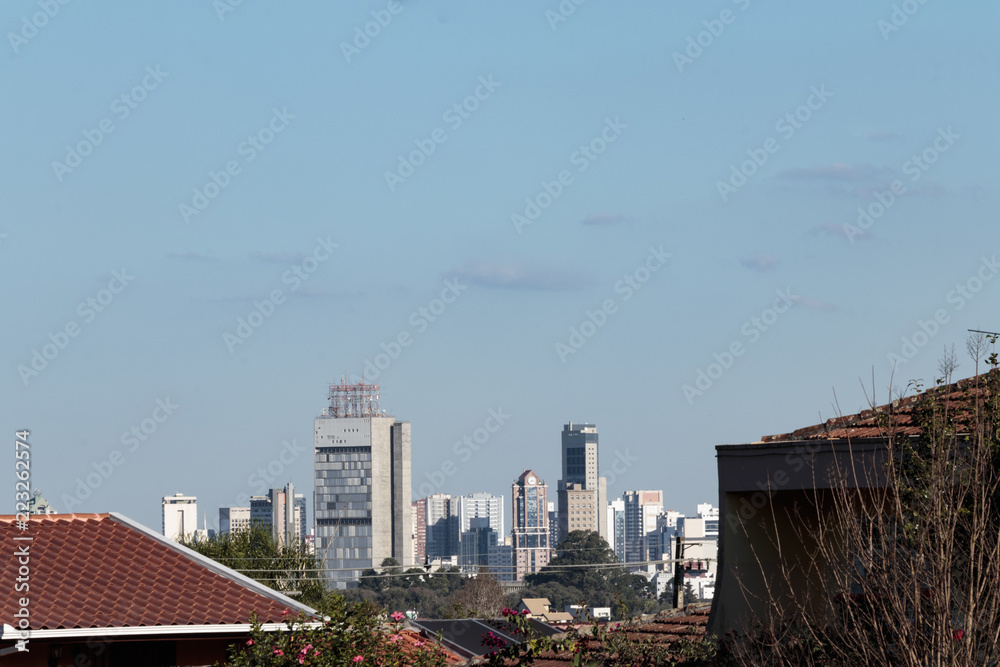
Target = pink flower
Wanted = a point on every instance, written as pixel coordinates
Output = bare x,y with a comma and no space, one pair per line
249,642
278,651
285,613
397,616
358,658
419,644
302,660
395,638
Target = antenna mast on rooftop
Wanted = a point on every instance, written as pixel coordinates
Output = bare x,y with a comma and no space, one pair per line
353,400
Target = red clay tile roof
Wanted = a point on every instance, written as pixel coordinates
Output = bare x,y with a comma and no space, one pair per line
899,415
98,571
666,628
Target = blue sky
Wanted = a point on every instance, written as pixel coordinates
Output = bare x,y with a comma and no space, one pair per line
206,90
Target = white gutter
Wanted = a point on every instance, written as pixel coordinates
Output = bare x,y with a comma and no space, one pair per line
157,631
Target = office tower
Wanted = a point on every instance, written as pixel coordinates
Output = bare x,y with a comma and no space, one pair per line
501,559
233,519
287,521
532,549
442,527
582,494
180,516
362,484
481,506
616,528
641,511
553,525
475,545
419,523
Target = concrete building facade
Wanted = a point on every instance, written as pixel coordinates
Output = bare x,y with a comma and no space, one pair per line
362,485
180,516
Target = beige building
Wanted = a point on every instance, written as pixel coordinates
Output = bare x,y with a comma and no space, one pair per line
530,535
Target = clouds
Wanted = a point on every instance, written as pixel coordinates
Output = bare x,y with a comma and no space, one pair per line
836,171
761,261
517,276
192,256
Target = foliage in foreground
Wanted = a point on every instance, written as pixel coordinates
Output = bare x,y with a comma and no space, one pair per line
604,645
908,572
255,553
355,634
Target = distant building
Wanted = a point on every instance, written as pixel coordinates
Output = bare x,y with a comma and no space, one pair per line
37,504
418,509
475,546
501,561
641,510
180,516
582,495
532,550
233,519
616,528
287,521
442,526
480,506
362,484
553,525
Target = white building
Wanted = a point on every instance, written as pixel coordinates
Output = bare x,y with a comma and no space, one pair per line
481,506
616,528
641,511
233,519
180,516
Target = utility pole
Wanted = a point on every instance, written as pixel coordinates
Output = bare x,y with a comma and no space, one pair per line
679,571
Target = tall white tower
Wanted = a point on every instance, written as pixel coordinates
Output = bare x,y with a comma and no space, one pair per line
180,516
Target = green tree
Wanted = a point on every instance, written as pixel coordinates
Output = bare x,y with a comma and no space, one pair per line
585,569
255,552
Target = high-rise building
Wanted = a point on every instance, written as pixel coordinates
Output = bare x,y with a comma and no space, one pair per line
480,506
616,528
641,511
442,526
233,519
362,485
553,525
532,550
180,516
475,545
582,494
419,523
287,521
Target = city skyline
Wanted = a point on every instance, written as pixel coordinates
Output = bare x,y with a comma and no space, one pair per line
691,225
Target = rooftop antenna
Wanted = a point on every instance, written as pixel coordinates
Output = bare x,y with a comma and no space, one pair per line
988,333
